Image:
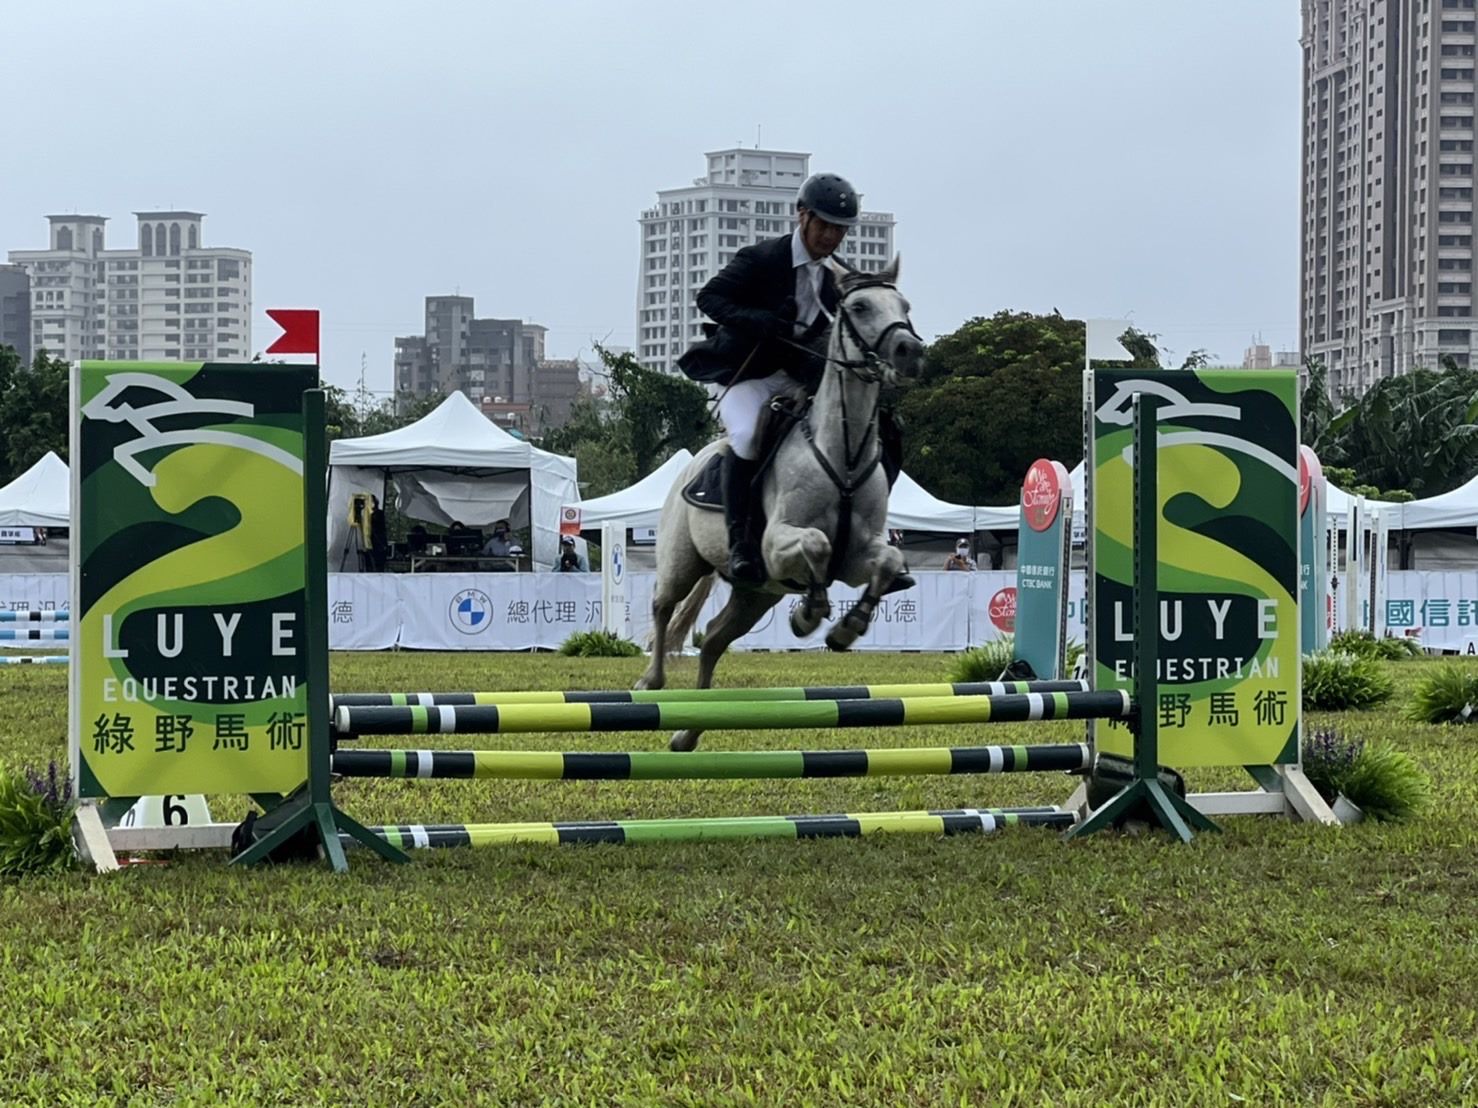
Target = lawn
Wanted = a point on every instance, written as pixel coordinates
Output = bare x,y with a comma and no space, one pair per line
1274,963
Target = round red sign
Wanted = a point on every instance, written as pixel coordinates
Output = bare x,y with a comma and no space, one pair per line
1309,470
1041,493
1002,609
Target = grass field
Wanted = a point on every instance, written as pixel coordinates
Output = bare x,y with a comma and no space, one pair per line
1272,964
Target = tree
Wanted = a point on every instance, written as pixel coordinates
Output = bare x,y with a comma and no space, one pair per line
34,407
1417,432
651,416
992,397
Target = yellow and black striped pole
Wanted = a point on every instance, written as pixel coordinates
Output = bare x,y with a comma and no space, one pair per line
486,719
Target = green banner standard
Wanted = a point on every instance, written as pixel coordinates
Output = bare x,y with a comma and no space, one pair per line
1043,545
189,673
1228,689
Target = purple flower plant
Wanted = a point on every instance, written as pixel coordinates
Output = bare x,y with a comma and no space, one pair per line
55,792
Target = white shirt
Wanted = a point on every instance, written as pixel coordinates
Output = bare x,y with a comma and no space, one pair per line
808,277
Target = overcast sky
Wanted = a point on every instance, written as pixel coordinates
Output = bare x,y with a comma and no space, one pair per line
1122,158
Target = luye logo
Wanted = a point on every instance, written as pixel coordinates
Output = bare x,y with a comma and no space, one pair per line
471,611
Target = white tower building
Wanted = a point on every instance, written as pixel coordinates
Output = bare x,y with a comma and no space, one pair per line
693,232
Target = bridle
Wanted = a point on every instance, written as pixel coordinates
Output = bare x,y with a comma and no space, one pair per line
871,367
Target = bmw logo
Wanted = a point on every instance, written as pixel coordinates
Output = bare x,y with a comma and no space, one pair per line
471,611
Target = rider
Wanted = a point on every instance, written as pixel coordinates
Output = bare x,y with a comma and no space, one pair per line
773,306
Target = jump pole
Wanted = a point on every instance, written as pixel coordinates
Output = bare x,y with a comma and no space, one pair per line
35,634
952,821
60,616
541,765
731,715
666,696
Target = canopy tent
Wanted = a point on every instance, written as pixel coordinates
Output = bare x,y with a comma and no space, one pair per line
1458,508
39,497
639,505
911,508
455,464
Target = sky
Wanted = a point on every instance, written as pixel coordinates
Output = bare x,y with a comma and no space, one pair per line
1129,159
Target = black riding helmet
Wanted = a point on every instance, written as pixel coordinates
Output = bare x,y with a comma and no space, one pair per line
830,197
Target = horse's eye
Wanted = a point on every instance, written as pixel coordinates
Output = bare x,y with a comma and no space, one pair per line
862,308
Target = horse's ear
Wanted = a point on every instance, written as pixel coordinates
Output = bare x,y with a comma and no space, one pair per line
840,273
890,272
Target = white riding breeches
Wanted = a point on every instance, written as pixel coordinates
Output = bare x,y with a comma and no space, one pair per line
739,410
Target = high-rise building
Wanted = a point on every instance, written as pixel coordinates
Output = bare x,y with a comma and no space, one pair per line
498,363
1387,257
170,298
15,310
694,231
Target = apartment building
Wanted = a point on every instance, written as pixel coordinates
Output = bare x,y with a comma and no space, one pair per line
168,298
695,230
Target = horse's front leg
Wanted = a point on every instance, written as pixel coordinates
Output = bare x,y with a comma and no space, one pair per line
798,554
882,563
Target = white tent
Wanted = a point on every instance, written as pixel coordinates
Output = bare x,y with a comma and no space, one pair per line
910,508
1458,508
39,497
639,505
454,464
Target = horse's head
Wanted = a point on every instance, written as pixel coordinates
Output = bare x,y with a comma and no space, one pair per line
877,337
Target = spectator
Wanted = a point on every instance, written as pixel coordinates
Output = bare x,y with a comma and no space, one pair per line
501,543
569,557
961,559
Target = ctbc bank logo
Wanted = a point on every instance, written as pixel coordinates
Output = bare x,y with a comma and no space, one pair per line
471,611
1041,494
1002,609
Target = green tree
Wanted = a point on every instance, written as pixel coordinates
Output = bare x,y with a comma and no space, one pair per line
650,417
992,397
34,406
1417,432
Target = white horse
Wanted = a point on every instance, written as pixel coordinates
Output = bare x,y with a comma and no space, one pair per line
825,499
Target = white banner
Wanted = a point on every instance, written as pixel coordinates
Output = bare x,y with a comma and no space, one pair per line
523,611
496,611
363,611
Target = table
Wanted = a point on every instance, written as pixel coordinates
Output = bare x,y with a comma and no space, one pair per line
470,563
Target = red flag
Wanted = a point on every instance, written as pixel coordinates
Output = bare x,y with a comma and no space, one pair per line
299,331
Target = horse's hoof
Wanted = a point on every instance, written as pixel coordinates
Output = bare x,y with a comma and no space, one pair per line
799,628
834,642
684,741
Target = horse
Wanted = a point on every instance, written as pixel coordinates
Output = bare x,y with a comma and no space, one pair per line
825,499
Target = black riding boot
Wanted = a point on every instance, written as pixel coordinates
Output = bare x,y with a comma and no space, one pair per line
746,565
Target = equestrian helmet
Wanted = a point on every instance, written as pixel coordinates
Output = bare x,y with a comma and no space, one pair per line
831,197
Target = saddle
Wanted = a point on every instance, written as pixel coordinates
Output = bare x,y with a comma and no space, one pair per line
779,418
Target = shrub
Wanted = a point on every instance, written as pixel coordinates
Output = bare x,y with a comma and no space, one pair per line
1446,695
984,663
1380,780
599,644
1074,652
1335,682
36,815
1365,645
1386,783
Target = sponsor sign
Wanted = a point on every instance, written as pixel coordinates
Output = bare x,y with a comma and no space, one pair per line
1228,689
189,657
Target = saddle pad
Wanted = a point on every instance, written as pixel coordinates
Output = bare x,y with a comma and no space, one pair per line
707,489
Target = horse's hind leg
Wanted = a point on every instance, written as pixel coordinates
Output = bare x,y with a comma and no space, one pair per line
733,621
677,576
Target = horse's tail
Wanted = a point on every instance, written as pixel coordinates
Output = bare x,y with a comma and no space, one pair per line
685,615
